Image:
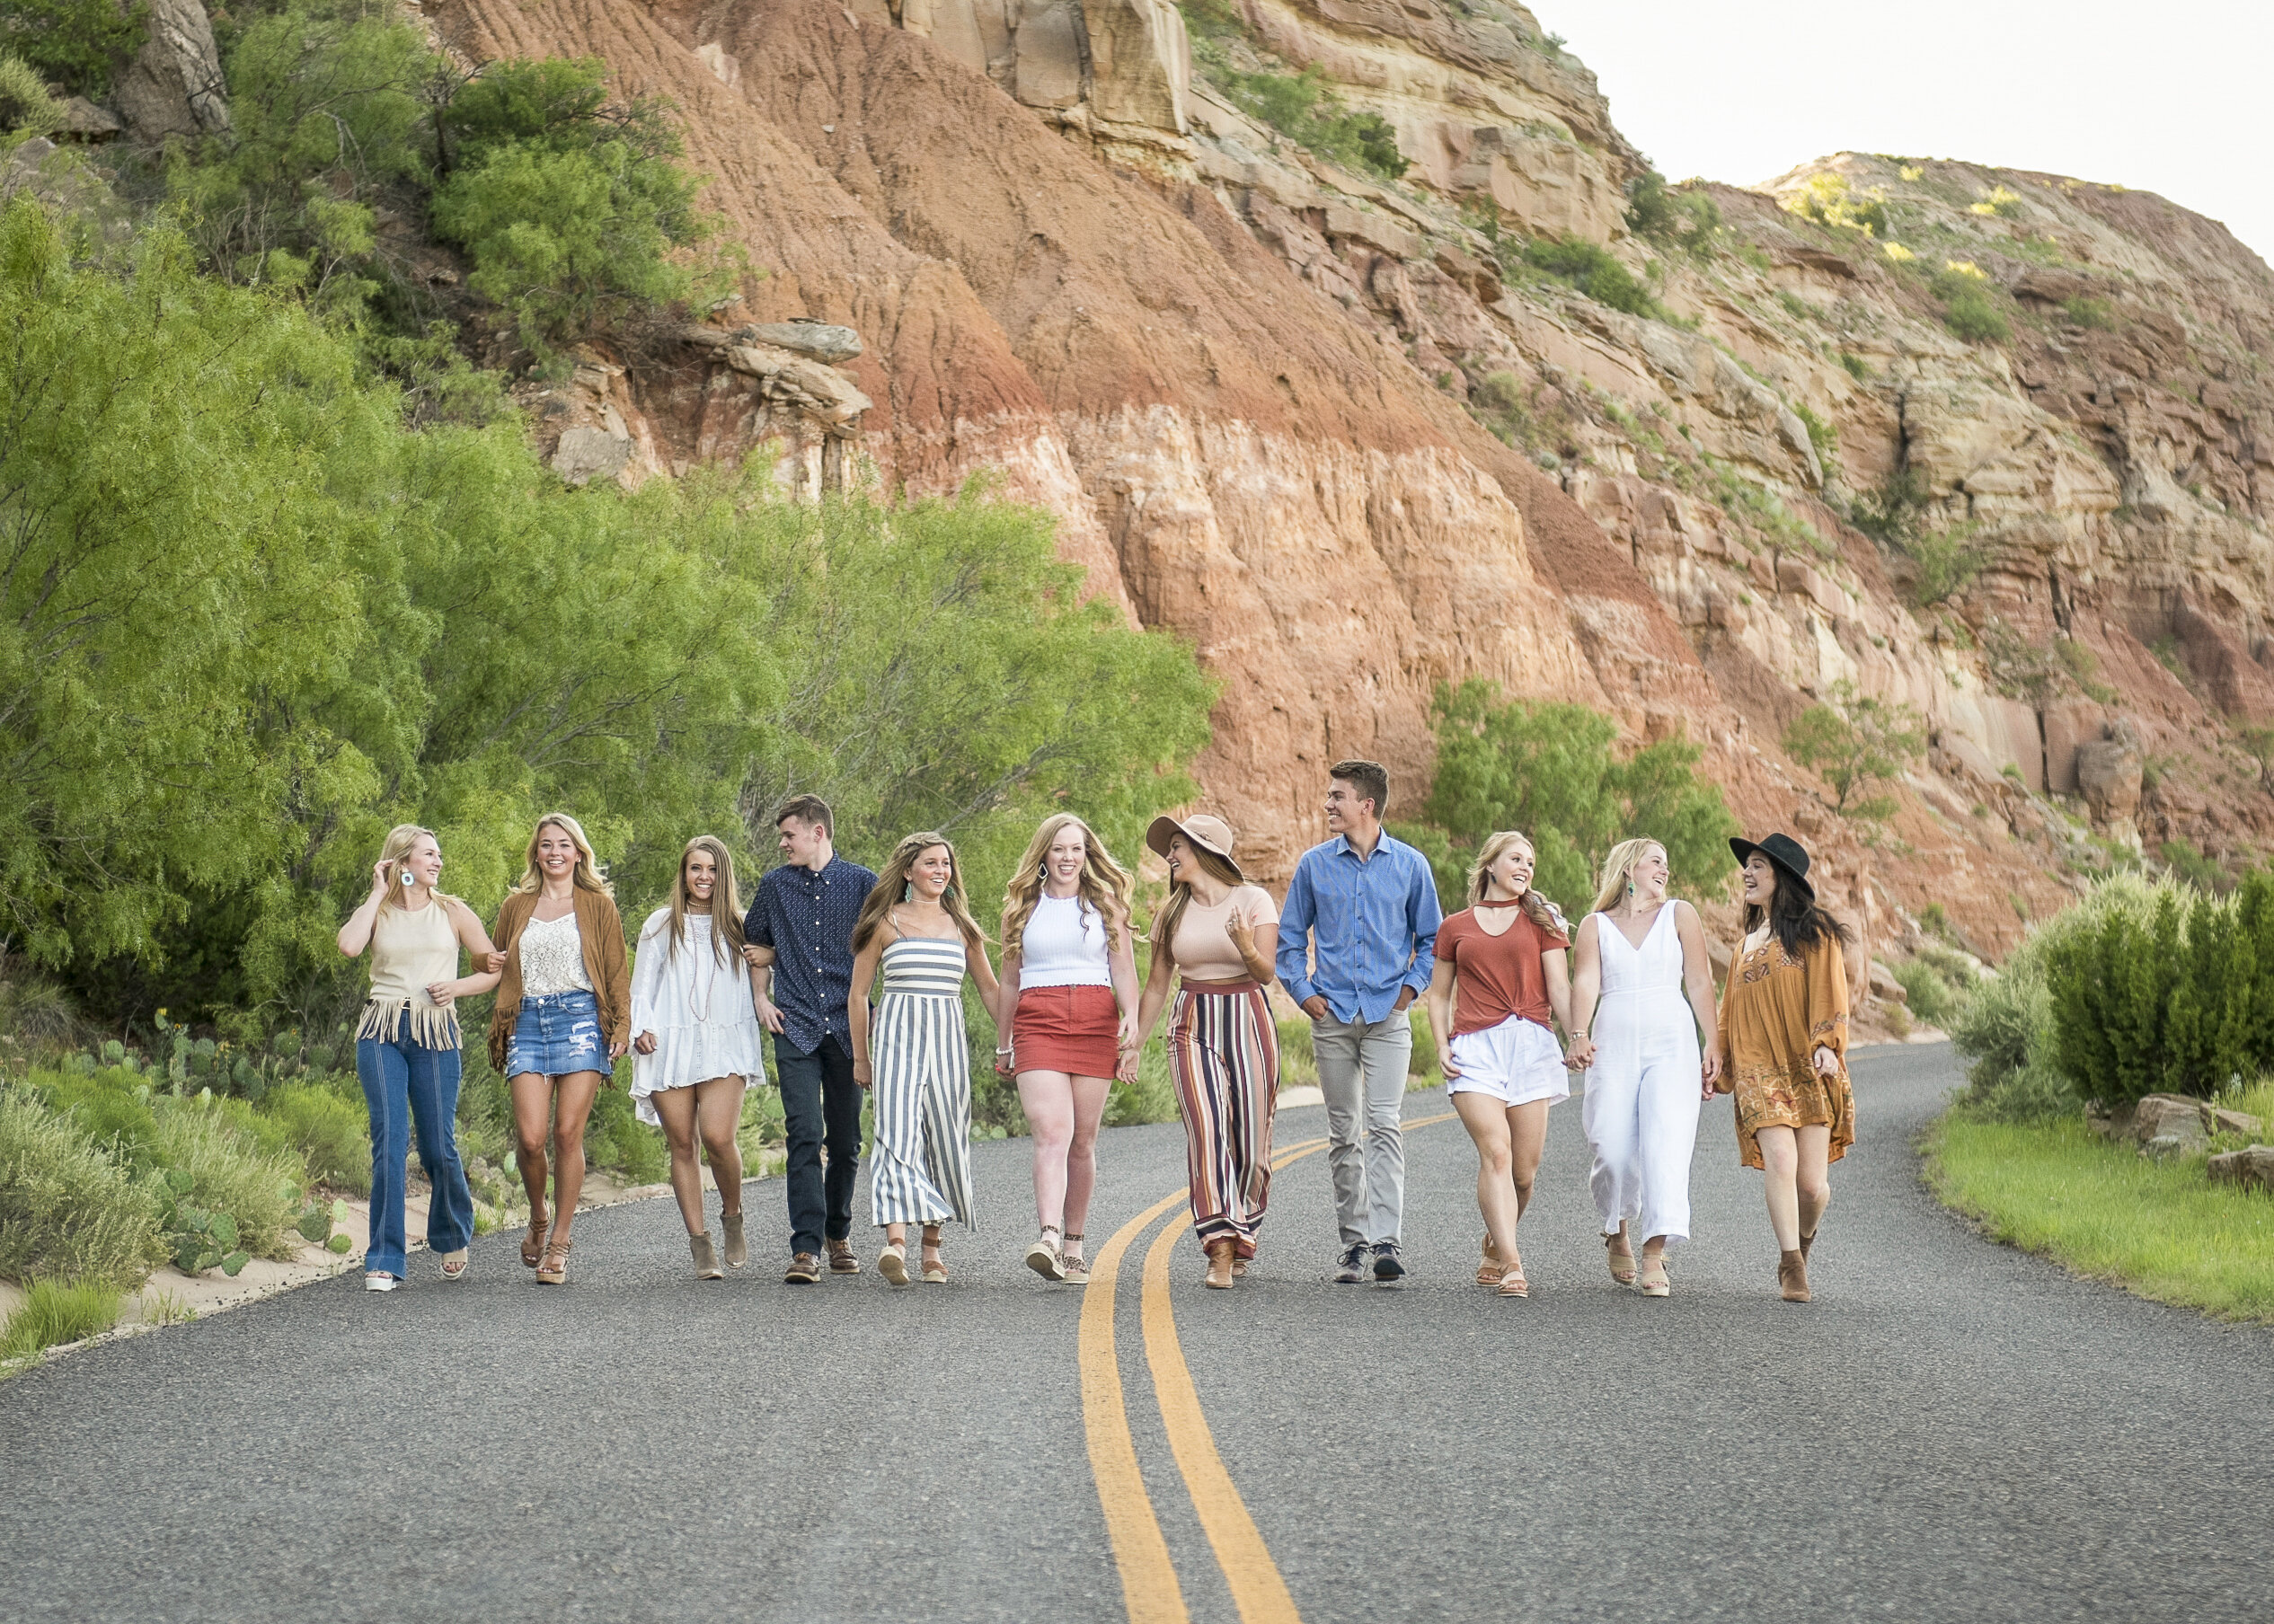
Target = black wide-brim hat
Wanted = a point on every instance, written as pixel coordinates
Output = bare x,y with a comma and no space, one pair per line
1788,854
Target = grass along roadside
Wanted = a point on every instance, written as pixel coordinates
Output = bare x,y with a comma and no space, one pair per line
2100,1210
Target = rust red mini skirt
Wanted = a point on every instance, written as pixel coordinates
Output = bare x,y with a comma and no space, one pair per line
1072,1030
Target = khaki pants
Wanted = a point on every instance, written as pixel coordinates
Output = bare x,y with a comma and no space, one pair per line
1362,1068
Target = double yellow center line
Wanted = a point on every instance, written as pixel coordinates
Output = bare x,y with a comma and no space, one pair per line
1149,1585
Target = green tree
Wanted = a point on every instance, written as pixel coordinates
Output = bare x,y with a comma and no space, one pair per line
1551,770
80,44
954,677
1853,743
249,619
567,240
179,473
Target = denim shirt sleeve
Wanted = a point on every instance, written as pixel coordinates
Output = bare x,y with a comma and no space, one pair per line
1423,915
1292,961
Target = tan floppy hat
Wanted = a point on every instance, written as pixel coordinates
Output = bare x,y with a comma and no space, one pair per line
1209,833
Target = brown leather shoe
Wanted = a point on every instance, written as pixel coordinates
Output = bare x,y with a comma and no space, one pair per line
841,1258
805,1269
1221,1254
1791,1275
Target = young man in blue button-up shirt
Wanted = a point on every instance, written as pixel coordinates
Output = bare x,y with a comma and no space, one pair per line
1356,944
800,929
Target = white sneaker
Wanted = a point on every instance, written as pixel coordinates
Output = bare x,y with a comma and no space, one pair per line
380,1282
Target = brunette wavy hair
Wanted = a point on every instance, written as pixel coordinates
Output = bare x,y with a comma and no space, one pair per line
891,888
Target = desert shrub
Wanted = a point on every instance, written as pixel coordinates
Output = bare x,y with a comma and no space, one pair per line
1551,771
1594,271
68,1212
57,1311
1855,742
566,240
1300,106
1685,219
2188,863
331,1132
1822,437
230,1173
1826,199
616,1139
1969,308
36,1013
79,44
2089,313
2160,988
1938,982
1422,1063
26,108
111,1105
1298,1058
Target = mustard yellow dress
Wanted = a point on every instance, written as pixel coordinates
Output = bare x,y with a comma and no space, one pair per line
1776,1011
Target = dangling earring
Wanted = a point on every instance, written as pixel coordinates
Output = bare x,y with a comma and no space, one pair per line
1043,872
908,890
1630,888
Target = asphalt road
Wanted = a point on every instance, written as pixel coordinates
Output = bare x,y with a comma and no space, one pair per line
1950,1430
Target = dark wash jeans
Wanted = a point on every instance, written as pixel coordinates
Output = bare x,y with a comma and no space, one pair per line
820,1106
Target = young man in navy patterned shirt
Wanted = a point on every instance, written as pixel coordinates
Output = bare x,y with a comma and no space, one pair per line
800,931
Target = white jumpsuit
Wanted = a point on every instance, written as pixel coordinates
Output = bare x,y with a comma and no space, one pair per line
1643,1091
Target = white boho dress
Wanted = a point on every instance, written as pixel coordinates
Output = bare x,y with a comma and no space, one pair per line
700,1010
920,1063
1643,1091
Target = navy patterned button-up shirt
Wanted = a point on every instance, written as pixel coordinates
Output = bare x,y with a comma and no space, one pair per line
806,918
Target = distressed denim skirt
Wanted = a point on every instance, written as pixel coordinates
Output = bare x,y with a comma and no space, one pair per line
557,1034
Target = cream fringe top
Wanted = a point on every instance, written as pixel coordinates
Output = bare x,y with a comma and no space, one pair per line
409,952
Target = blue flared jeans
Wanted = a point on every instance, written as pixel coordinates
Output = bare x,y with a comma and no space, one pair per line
406,1082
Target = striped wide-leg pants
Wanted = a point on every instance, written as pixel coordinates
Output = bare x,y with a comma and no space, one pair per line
1223,1056
920,1170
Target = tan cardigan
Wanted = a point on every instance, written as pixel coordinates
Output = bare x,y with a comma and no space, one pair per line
600,931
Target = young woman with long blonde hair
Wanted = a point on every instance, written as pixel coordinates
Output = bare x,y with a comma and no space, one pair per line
1214,939
917,928
696,1045
1642,992
407,1047
562,1018
1500,977
1070,1007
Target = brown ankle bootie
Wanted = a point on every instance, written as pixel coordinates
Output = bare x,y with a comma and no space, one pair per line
706,1258
1791,1275
1221,1254
734,1251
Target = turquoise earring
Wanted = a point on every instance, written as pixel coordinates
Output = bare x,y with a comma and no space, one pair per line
908,890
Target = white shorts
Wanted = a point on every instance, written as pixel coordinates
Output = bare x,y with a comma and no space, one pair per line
1516,1062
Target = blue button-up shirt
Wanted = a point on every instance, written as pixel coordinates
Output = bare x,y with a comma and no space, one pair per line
807,918
1373,921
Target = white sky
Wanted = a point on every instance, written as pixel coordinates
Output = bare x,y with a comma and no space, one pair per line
2171,98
